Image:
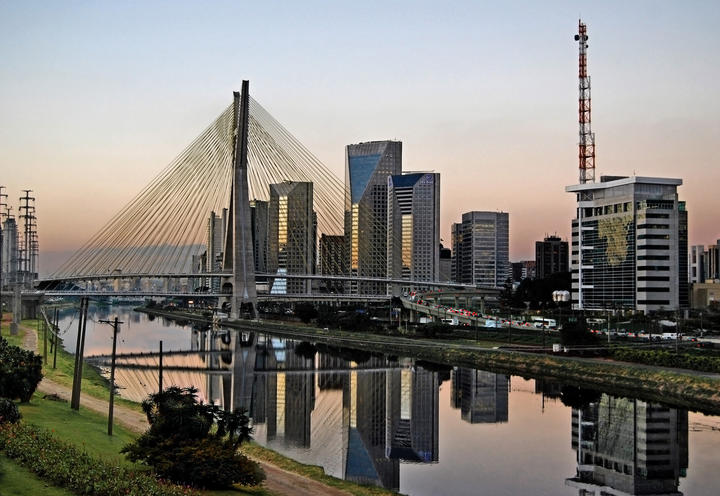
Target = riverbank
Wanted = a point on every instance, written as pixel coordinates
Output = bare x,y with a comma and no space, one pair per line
676,387
284,475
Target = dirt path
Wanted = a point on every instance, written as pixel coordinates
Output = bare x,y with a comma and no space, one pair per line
279,481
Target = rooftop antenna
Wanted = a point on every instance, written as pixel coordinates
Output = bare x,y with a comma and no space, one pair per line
586,151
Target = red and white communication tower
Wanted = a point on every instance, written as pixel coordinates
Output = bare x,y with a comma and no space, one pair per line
587,137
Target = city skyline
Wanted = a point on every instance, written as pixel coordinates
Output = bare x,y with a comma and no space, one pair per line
489,101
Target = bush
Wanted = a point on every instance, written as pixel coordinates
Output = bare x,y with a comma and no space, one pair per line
65,465
306,312
181,444
20,372
666,358
9,413
577,334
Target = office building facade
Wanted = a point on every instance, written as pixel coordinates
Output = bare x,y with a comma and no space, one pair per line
551,256
704,265
629,245
291,235
367,168
332,261
413,241
481,249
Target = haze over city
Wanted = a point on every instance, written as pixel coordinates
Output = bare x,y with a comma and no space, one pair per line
98,97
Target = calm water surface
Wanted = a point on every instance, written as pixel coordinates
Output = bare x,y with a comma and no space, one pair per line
415,427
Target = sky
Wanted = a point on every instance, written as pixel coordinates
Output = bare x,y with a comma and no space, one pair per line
97,97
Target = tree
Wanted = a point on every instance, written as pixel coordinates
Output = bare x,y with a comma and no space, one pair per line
305,312
20,372
577,334
194,443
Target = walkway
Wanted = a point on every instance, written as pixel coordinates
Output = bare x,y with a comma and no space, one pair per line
279,481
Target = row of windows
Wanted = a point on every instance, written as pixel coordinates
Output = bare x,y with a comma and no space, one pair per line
653,278
653,226
627,207
654,302
654,267
654,290
654,257
653,236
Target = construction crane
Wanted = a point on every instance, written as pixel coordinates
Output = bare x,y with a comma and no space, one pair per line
586,152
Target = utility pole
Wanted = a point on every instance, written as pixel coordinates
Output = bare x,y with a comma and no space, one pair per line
116,329
79,351
160,372
56,328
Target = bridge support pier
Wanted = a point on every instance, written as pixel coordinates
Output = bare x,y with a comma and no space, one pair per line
238,245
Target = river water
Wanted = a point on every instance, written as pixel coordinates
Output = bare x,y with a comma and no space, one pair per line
415,427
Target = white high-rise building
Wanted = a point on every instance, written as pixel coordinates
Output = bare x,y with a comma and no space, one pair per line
629,245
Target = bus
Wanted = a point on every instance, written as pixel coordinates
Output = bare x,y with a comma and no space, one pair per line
543,322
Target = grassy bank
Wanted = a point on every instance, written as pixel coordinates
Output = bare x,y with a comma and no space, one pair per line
312,472
93,383
88,430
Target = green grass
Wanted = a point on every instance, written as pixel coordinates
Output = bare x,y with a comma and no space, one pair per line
13,340
16,480
93,383
88,429
84,428
314,472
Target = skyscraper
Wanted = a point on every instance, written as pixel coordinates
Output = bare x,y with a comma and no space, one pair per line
259,225
332,260
629,244
367,168
481,245
413,243
9,252
291,240
214,247
551,256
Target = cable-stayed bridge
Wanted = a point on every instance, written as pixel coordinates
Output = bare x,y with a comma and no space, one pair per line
158,238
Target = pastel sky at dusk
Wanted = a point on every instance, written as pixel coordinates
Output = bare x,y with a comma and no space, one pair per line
97,97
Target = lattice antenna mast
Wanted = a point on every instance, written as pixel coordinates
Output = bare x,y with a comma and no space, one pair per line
586,152
27,214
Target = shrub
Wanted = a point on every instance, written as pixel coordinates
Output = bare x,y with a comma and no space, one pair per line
63,464
182,446
666,358
20,372
9,413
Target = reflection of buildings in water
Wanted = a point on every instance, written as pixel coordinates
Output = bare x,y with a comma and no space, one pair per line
357,421
629,447
415,431
481,396
549,389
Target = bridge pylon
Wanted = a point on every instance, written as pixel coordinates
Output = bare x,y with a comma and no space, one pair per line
238,253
